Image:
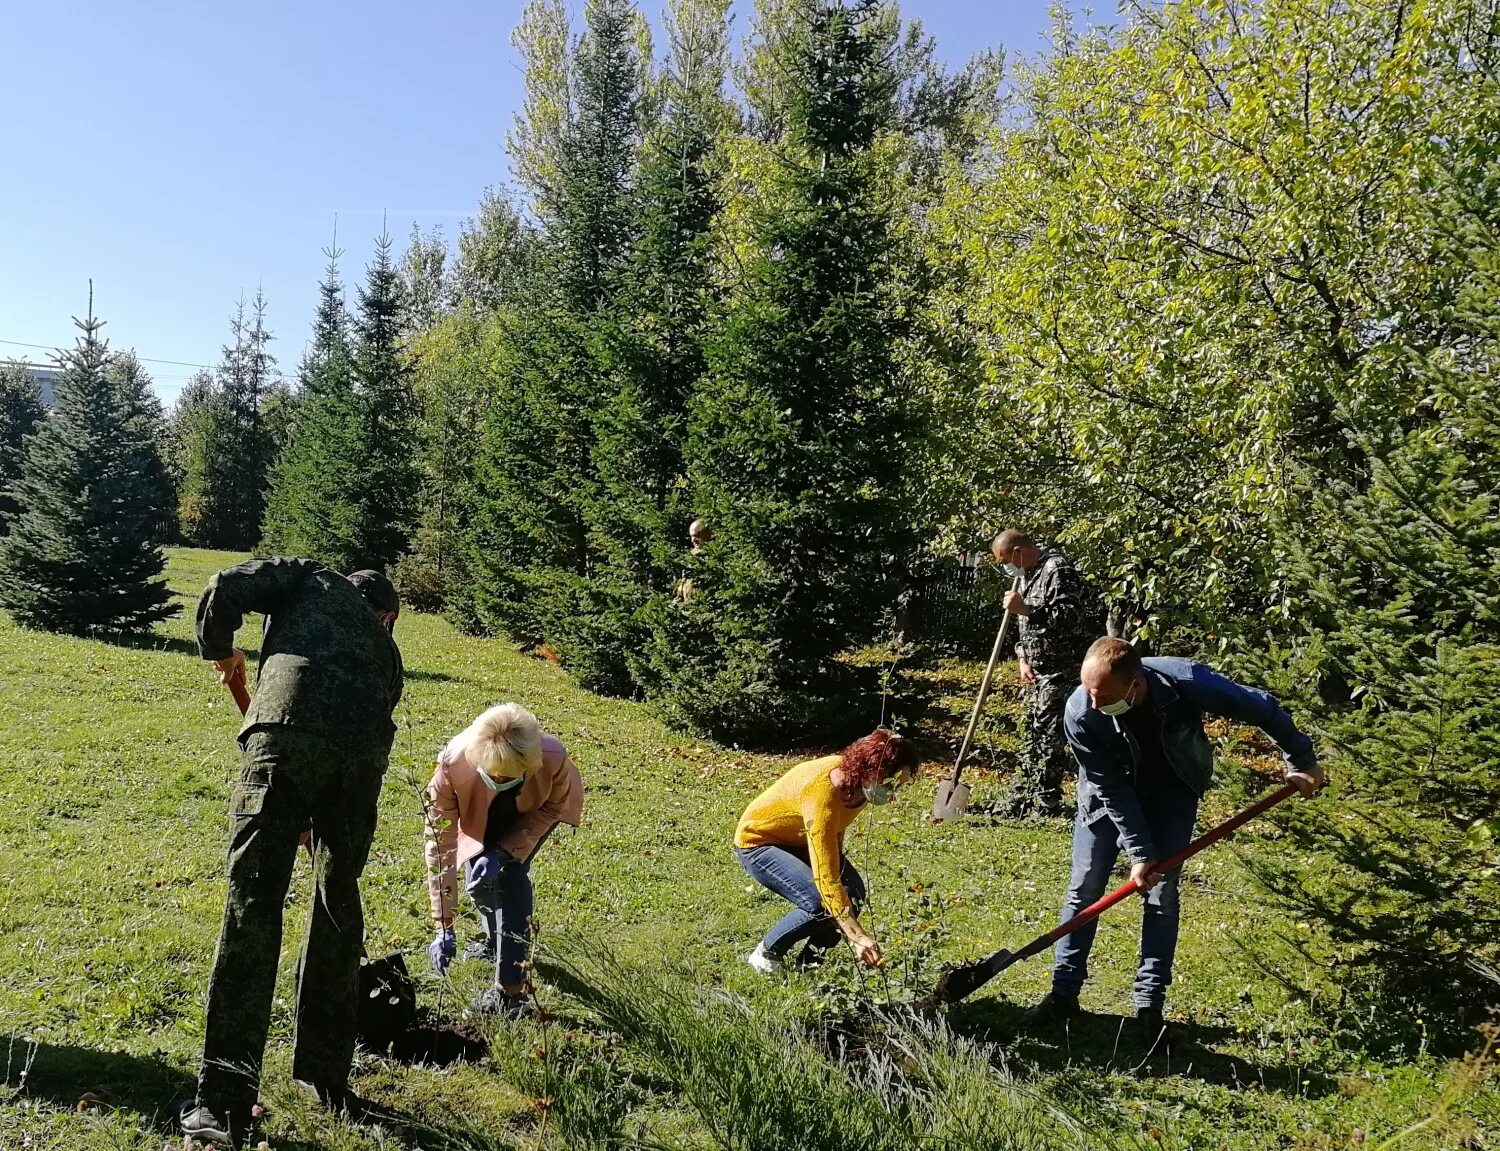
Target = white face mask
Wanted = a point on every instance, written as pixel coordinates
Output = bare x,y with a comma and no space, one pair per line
1013,571
499,785
1120,706
879,794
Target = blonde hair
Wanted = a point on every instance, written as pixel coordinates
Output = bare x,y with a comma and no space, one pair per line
504,742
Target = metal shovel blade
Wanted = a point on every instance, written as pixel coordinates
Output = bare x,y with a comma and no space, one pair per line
961,982
951,800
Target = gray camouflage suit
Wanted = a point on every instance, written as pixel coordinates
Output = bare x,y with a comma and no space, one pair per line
315,745
1066,617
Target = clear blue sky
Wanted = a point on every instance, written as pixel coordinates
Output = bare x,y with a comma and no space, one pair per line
181,153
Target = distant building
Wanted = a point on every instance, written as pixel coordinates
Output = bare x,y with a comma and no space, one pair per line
44,378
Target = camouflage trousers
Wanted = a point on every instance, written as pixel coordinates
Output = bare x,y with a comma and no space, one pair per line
288,779
1044,755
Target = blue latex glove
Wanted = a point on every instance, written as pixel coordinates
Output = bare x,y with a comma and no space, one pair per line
481,867
442,950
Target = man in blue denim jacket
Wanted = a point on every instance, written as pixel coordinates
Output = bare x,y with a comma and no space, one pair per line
1136,729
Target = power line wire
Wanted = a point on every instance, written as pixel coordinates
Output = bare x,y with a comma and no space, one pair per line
143,359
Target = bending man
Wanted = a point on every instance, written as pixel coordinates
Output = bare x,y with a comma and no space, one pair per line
314,749
1136,729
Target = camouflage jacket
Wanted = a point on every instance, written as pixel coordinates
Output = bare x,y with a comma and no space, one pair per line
1066,616
326,663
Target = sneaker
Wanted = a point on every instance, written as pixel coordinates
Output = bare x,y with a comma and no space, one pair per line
480,949
1055,1008
199,1123
495,1001
764,963
1153,1027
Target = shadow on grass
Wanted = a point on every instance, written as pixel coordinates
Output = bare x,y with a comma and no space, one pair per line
1109,1043
423,675
68,1076
155,641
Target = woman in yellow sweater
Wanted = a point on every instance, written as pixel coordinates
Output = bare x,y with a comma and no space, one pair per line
791,841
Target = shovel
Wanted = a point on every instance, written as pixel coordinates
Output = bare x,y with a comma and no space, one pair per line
960,982
952,796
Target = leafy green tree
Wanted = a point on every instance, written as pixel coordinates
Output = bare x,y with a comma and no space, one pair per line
799,432
20,413
1181,244
81,555
425,288
493,249
316,503
383,383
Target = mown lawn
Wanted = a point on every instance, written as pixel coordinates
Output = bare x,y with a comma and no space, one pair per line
116,760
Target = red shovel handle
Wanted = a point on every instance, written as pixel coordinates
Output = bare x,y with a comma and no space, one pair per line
1170,864
238,690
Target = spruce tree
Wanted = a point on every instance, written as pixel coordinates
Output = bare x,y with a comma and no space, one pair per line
20,413
383,379
534,473
316,503
650,350
799,431
80,556
1398,597
146,418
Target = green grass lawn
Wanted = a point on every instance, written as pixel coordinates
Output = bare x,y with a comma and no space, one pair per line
116,760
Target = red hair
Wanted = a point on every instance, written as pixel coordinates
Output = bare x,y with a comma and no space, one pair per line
876,756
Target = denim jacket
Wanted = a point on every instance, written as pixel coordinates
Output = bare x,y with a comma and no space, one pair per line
1179,692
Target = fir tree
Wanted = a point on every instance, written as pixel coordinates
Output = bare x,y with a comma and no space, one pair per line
316,503
799,430
223,494
651,352
534,474
146,418
383,378
1398,594
20,413
80,556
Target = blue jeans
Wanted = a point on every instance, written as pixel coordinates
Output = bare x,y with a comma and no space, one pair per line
787,872
504,900
1170,812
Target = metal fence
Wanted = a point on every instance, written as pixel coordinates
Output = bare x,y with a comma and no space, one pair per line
953,604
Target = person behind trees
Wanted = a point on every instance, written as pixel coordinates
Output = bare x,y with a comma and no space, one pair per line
314,749
1057,614
699,533
791,841
1136,729
500,787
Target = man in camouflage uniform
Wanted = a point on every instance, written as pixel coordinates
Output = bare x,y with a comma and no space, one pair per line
315,744
1058,617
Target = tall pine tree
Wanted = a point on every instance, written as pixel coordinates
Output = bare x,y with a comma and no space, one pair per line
316,503
146,418
574,147
383,379
650,350
223,494
81,556
20,413
799,435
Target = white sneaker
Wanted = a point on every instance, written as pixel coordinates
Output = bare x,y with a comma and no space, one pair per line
765,964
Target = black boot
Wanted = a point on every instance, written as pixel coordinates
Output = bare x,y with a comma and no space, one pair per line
1153,1026
1053,1009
